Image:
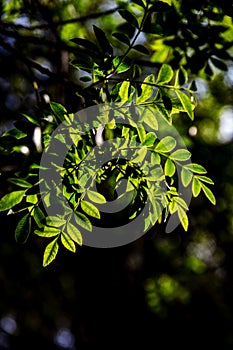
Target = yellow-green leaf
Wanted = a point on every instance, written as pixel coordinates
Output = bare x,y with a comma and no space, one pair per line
83,221
124,92
50,252
196,187
140,155
147,89
67,242
183,218
209,194
55,221
165,74
166,144
96,197
186,177
74,233
11,199
90,209
186,103
169,168
48,232
180,155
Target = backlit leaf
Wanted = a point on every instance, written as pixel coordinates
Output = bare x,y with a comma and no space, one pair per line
50,252
11,199
96,197
165,74
90,209
167,144
147,89
186,103
47,232
169,168
67,242
74,233
180,155
196,187
23,229
186,177
209,194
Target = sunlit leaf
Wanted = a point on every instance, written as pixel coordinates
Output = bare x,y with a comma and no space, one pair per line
183,218
196,168
67,242
11,199
167,144
58,110
196,187
205,179
50,252
149,118
23,229
55,221
48,232
38,216
186,177
83,221
147,89
165,74
180,155
90,209
209,194
124,92
20,182
169,168
74,233
96,197
149,140
140,155
186,103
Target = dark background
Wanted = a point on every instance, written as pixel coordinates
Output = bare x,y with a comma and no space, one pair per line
160,291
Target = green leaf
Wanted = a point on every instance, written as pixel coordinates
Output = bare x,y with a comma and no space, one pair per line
147,89
196,187
141,48
165,74
11,199
140,155
31,119
38,216
55,221
122,66
74,233
83,221
124,92
186,177
196,168
167,144
23,229
181,155
90,209
50,252
149,140
209,194
67,242
149,118
96,197
32,198
58,110
102,40
20,182
183,218
205,179
122,38
180,201
169,168
47,232
16,133
186,103
129,17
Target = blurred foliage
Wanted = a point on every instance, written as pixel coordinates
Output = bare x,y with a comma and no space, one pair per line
162,289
